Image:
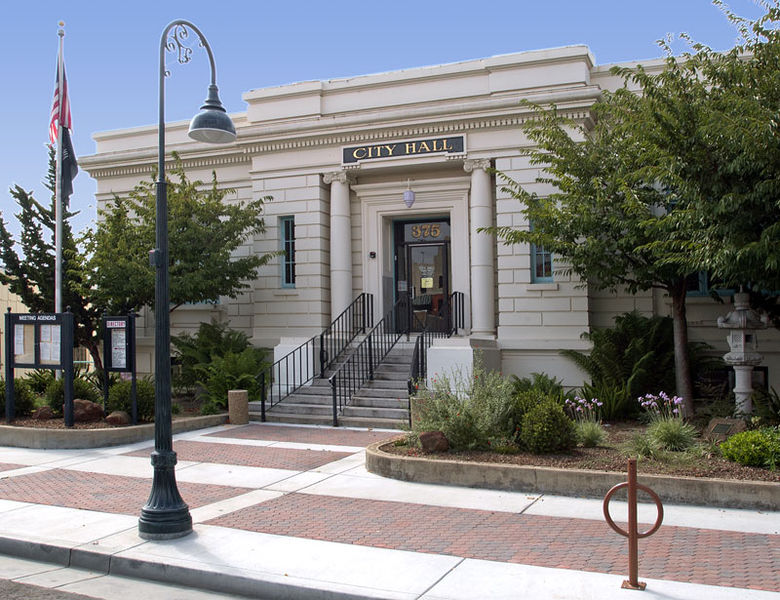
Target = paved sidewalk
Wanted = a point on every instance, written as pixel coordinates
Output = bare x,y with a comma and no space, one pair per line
291,512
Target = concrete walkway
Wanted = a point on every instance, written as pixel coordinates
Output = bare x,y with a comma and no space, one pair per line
291,512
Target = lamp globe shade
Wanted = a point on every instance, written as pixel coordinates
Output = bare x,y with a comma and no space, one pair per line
212,124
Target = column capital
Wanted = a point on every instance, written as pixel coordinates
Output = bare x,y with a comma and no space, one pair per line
340,176
472,164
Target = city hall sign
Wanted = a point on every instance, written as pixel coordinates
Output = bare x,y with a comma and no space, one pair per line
449,145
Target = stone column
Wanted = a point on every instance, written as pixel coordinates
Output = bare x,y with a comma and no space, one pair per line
483,279
340,242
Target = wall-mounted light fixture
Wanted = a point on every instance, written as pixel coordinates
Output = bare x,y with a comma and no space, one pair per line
408,195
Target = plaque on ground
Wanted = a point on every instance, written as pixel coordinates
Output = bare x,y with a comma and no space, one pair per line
721,429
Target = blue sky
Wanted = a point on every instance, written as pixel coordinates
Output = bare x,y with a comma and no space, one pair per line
111,51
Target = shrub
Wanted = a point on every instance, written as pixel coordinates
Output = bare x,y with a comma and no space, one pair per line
83,389
757,448
540,383
672,434
641,445
767,406
635,355
615,400
471,412
233,371
39,380
119,398
587,422
24,398
212,340
590,433
546,428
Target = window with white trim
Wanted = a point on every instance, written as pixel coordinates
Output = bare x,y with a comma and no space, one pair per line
287,238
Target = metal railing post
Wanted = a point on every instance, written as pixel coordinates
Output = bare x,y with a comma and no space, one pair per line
370,357
262,397
335,407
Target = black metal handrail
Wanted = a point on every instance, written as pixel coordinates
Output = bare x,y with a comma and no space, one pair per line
299,367
359,367
357,318
454,319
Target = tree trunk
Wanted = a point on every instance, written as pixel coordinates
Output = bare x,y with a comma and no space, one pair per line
682,365
93,348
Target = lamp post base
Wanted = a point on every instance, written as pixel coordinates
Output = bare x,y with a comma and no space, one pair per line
165,516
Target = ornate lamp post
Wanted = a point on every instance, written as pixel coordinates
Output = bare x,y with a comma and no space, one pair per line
165,515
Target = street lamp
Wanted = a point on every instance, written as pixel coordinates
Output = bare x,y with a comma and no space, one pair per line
165,515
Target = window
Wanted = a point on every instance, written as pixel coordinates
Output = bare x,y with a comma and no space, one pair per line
541,264
287,237
703,284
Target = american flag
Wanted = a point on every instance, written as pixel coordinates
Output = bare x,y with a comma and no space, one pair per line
60,107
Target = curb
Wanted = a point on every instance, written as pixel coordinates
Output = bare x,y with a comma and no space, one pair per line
70,439
757,495
245,586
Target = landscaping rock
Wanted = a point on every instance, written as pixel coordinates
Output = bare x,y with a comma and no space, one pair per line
118,417
434,441
85,411
43,413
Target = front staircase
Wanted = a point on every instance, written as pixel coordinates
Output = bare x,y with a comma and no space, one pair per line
381,403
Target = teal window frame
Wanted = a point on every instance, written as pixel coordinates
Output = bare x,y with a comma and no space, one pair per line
287,242
703,288
541,260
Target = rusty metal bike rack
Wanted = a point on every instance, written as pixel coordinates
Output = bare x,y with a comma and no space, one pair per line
633,583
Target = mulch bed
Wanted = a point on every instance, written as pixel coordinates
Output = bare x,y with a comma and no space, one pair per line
607,458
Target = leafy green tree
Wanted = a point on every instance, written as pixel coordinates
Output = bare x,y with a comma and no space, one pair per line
678,178
28,264
715,140
603,215
204,231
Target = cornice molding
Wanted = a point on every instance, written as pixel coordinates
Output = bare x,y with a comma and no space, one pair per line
144,167
401,132
143,163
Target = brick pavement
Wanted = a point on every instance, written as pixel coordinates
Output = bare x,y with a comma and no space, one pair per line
250,456
311,435
100,492
10,466
724,558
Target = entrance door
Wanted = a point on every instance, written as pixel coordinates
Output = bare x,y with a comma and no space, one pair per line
428,285
423,273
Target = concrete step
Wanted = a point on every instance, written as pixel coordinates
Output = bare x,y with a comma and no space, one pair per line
299,408
379,394
367,412
383,402
374,423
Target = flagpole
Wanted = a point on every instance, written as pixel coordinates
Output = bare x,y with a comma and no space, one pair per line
58,204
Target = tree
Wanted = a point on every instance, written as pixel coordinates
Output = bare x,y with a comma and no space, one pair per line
30,274
678,178
602,216
722,153
204,232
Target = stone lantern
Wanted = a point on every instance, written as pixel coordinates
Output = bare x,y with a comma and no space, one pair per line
743,348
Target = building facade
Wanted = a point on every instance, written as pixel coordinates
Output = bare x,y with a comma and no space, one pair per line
380,184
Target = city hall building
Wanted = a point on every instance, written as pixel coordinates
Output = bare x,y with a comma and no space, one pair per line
380,183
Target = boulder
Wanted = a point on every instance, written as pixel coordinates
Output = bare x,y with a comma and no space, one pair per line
434,441
85,411
118,417
43,413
